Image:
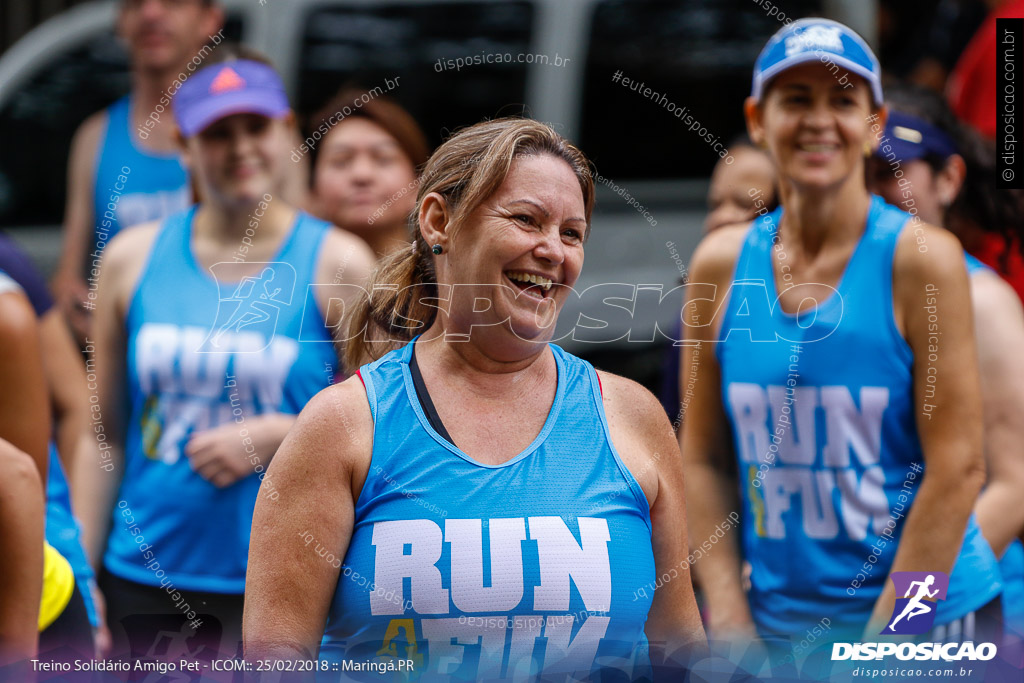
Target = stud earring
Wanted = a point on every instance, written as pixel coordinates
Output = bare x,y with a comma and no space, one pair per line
437,249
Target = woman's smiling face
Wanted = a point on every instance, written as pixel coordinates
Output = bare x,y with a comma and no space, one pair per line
522,249
240,158
814,128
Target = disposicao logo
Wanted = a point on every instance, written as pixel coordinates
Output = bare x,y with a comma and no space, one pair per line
914,613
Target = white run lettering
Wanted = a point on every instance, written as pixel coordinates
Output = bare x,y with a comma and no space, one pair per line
830,485
392,565
561,558
468,591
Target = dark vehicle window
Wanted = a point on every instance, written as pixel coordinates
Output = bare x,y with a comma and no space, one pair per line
698,54
368,46
39,120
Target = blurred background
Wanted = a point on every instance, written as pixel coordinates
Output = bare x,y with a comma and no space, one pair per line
61,62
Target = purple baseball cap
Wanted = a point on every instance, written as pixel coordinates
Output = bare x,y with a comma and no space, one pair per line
817,40
912,138
239,86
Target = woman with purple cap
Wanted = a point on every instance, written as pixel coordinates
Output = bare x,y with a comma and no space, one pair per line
845,373
210,338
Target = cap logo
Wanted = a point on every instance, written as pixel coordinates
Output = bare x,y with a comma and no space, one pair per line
226,80
815,37
908,134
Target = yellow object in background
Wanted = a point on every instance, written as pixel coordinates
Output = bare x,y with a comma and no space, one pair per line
58,586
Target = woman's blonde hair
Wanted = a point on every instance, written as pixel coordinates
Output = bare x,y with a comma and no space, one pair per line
467,169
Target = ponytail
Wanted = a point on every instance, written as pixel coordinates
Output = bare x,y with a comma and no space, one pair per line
395,311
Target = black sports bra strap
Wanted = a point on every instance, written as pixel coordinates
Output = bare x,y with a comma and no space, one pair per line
424,398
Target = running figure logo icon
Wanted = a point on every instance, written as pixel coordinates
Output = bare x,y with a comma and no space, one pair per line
248,306
914,613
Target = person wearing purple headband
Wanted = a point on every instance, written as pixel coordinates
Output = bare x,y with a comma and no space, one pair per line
853,428
935,179
213,327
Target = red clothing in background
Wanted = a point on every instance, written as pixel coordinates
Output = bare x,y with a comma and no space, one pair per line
971,89
990,252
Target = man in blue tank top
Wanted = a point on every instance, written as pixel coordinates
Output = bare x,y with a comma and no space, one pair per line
124,167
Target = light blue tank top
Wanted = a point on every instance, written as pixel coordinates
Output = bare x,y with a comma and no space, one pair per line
133,185
494,571
204,352
1011,564
823,417
64,533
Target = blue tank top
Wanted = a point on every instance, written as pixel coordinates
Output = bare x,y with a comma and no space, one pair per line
494,571
822,410
1011,564
64,533
204,352
133,185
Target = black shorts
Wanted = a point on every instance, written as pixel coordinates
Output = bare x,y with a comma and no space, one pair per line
983,625
67,640
69,637
148,622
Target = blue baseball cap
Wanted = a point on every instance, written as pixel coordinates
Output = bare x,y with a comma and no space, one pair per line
912,138
815,39
239,86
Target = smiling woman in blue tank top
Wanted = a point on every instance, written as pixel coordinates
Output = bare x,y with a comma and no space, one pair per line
210,338
477,501
844,367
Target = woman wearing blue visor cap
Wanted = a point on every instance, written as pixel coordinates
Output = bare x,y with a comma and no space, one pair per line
856,427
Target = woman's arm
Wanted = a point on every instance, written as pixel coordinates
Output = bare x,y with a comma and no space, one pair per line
24,405
949,422
65,379
318,471
219,454
21,544
99,461
644,439
999,329
705,439
68,283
